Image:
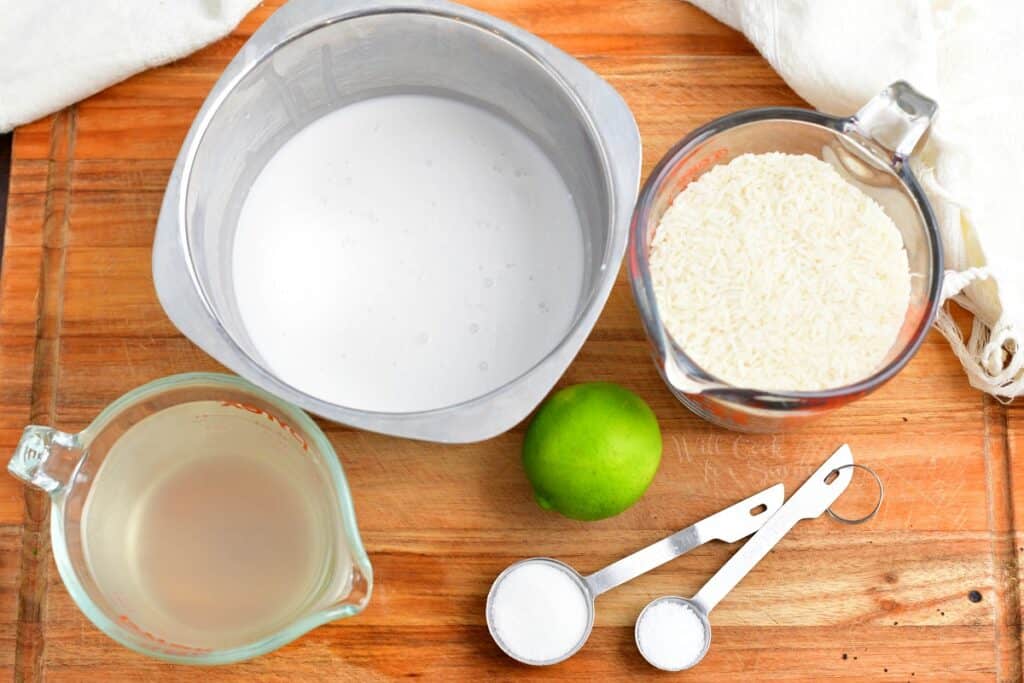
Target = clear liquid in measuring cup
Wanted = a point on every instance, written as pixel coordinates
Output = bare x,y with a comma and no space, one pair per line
211,536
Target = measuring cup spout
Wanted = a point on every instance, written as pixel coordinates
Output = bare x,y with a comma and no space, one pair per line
46,458
683,381
347,593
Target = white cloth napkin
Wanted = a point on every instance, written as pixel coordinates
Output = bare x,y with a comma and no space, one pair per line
968,56
56,52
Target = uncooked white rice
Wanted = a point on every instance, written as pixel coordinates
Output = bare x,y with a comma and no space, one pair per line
773,272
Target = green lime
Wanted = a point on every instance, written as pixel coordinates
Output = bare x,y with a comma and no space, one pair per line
591,450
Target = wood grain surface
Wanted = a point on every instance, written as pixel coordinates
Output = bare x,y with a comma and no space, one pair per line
80,325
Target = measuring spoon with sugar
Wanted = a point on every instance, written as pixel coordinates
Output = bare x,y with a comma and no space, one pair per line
674,633
540,611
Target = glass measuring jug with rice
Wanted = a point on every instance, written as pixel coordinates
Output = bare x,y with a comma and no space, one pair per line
870,152
200,520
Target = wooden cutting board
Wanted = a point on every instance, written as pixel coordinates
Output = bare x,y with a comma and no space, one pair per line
80,325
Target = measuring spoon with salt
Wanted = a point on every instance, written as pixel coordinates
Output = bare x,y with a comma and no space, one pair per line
540,611
674,633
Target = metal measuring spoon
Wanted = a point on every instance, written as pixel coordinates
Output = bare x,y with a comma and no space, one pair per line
731,524
809,501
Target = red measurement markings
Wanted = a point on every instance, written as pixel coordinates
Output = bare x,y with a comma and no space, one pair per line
698,167
273,418
161,644
687,172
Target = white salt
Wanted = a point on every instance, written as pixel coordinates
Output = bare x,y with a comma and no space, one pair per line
671,635
539,612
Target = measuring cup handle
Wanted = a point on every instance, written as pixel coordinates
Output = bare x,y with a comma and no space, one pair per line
46,458
809,501
731,524
896,119
644,560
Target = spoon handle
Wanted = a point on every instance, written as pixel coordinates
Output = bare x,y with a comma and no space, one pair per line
809,501
731,524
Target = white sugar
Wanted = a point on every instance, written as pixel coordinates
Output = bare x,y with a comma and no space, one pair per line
671,635
539,612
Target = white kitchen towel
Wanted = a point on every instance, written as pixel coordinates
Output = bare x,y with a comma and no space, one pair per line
56,52
968,56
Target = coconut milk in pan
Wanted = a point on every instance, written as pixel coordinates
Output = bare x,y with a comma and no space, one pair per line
405,253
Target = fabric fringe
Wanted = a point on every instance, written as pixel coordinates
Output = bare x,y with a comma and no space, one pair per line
992,357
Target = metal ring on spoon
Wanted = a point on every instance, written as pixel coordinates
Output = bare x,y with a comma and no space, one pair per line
731,524
809,501
878,503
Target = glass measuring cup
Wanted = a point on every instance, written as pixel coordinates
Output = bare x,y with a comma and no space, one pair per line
112,462
809,501
870,150
730,525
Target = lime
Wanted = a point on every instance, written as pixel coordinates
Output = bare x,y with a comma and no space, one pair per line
591,450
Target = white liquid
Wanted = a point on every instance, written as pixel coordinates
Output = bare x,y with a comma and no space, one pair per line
211,527
671,635
405,253
539,612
